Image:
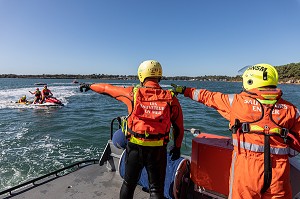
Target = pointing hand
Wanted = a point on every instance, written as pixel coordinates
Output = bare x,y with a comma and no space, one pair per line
84,87
178,89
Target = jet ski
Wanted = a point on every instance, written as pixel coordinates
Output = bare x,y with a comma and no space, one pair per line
53,100
50,101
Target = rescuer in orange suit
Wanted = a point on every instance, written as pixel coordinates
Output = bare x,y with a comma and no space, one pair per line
151,113
265,131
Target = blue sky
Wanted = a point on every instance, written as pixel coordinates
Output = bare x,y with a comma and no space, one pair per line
191,37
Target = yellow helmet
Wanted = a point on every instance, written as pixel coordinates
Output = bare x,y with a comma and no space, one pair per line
260,75
149,68
24,97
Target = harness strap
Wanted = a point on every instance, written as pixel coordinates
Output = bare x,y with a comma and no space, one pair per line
236,130
282,132
267,165
146,136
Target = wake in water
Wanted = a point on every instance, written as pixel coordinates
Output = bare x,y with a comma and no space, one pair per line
9,97
36,140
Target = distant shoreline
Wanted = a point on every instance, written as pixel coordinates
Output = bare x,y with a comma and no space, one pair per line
134,77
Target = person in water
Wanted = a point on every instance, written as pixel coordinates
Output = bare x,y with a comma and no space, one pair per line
265,131
23,99
45,94
38,95
151,113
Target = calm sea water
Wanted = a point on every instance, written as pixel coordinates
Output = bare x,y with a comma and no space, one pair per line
36,140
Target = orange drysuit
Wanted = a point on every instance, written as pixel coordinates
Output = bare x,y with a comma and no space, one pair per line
125,95
257,118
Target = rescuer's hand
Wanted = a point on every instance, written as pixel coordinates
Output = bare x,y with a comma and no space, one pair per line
84,87
175,153
178,89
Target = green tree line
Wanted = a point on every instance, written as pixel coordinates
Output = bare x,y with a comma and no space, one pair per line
287,73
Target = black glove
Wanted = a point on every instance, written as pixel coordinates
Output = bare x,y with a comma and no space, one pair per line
178,89
84,87
175,153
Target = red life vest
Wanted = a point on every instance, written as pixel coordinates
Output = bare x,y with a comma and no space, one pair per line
46,92
150,119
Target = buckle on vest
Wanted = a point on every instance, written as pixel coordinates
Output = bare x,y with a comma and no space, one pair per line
146,135
245,128
284,133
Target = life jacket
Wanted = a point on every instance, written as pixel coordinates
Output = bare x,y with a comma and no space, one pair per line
263,112
46,92
38,94
150,121
22,100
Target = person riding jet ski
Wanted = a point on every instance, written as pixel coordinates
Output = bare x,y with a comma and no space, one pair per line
38,95
46,93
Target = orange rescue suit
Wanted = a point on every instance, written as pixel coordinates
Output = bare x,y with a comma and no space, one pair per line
247,168
126,95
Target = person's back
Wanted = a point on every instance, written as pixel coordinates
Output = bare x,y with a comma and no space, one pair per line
151,112
264,127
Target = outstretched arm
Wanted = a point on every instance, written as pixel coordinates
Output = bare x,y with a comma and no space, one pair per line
122,94
219,101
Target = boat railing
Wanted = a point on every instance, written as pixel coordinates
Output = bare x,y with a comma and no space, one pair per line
119,120
56,174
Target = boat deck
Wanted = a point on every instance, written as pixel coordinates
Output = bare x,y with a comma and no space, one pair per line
87,180
101,179
91,181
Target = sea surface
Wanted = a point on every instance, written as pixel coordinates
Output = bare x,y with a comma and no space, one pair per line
36,140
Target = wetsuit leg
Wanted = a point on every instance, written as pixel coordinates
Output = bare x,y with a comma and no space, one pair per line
156,160
42,100
133,169
127,191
